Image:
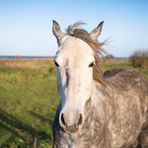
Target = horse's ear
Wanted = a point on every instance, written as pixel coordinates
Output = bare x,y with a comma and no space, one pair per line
97,31
57,31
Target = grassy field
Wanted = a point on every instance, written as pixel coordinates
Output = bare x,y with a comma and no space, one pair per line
28,100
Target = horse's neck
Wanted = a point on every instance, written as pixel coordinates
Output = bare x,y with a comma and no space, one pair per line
95,107
94,119
97,96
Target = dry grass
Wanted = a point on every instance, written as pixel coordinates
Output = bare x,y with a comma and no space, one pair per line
31,63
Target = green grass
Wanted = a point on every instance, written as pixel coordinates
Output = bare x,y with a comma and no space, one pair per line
28,100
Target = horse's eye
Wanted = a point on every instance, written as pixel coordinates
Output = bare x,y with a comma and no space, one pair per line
91,64
56,63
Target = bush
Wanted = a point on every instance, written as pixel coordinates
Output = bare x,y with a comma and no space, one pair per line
140,59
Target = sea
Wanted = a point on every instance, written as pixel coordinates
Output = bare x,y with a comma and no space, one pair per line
13,57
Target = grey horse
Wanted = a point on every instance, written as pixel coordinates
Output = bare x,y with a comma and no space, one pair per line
96,110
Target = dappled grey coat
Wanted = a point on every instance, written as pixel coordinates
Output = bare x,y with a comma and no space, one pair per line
114,121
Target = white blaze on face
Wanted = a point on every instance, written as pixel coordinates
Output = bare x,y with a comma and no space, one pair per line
75,77
74,61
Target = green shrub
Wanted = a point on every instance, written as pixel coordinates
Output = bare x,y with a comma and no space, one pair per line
140,59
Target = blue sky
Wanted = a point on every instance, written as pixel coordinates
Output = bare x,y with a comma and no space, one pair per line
25,25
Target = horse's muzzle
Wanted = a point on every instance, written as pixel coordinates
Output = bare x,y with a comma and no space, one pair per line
71,128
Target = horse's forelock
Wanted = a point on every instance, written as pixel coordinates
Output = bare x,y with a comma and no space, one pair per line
76,31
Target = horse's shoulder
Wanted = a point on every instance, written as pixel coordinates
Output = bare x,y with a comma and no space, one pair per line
126,80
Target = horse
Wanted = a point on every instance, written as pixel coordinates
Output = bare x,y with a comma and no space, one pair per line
96,109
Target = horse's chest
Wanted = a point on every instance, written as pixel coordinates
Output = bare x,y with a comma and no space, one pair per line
91,135
88,138
83,142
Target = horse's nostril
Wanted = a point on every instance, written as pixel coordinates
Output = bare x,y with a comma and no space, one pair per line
62,119
79,121
71,123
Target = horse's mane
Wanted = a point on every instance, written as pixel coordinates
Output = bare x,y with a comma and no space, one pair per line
76,31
